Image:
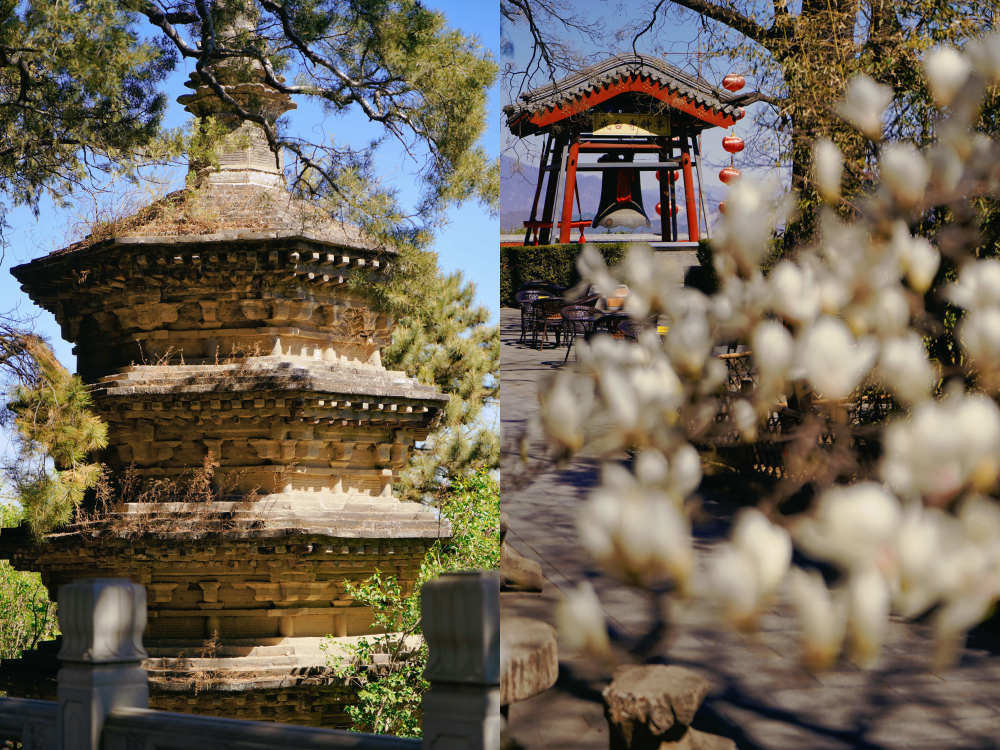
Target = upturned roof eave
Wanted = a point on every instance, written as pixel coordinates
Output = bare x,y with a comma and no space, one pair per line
523,116
25,271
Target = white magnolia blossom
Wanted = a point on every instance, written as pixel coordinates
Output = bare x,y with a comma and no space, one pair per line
564,408
745,573
833,361
984,54
828,163
978,285
852,526
916,256
774,352
979,333
868,614
905,369
912,533
904,172
745,229
796,296
942,447
580,621
636,529
865,104
821,615
947,70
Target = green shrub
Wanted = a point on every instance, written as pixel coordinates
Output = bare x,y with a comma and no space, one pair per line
555,264
26,614
389,697
703,276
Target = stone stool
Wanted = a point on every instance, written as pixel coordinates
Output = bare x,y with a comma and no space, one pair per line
529,661
651,708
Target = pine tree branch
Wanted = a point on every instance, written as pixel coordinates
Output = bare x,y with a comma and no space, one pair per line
728,17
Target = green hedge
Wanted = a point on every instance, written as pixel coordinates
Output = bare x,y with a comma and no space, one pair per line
553,263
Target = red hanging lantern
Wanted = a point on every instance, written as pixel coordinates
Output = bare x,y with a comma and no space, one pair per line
733,82
658,209
722,207
671,175
733,144
729,174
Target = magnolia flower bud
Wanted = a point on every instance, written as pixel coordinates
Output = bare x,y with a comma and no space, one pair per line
868,594
580,621
904,172
978,285
828,164
685,471
767,546
745,229
917,257
864,105
651,467
773,349
852,525
745,418
918,544
823,620
889,313
979,333
984,53
563,408
619,397
834,362
795,294
906,369
946,70
689,343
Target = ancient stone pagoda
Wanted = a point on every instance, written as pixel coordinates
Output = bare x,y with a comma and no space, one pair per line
217,328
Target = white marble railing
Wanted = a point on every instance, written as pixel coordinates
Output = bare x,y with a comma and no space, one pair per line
103,694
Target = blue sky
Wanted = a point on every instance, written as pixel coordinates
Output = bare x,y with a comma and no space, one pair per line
467,243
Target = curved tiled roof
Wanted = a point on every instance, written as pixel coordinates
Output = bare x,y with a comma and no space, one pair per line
641,73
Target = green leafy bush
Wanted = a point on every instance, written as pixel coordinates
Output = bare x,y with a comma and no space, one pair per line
26,614
553,263
703,276
387,668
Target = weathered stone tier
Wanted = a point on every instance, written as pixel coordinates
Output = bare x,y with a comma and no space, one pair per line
210,298
272,425
237,583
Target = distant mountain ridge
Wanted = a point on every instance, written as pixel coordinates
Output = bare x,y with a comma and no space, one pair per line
517,190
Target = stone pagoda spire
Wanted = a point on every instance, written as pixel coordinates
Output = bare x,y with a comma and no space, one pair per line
218,329
244,156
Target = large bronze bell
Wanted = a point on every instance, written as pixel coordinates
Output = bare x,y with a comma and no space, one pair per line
621,195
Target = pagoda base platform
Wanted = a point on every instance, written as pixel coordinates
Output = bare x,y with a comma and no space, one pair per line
286,680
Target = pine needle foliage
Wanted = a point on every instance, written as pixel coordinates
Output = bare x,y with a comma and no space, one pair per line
443,339
56,433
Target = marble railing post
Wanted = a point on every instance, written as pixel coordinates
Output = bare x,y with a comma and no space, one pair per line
102,620
461,623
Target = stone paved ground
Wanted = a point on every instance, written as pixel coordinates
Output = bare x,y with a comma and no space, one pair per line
761,697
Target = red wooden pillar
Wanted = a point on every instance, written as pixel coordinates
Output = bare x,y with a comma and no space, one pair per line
692,205
567,212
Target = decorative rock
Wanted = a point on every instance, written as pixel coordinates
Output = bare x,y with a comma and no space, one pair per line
651,707
518,573
529,661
